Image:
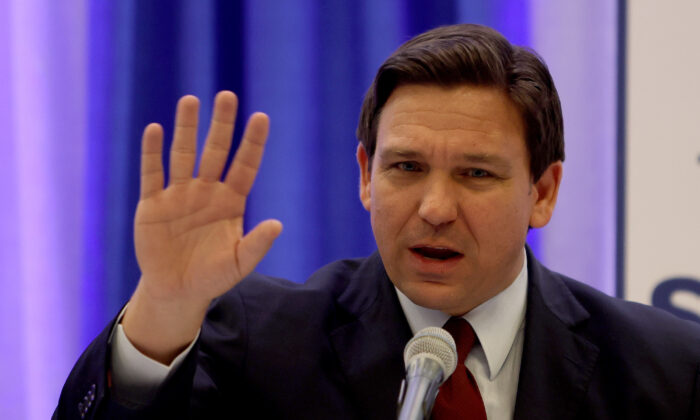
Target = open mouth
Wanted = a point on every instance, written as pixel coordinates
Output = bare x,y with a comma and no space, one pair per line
436,253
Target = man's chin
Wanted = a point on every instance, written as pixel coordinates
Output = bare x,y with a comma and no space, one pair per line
436,296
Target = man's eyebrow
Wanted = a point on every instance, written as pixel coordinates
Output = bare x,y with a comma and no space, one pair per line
399,153
486,158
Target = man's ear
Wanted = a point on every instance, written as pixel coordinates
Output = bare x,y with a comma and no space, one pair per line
365,172
546,190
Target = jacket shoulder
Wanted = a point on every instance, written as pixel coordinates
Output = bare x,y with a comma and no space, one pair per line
630,360
625,319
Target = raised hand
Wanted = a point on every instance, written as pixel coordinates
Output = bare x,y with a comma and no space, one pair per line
189,236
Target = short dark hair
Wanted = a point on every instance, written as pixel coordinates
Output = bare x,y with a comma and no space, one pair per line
473,55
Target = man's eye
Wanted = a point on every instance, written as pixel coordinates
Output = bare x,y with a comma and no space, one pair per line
478,173
408,166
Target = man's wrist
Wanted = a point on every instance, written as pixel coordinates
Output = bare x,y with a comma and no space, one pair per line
162,329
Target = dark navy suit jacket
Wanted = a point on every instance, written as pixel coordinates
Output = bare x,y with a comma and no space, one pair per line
332,349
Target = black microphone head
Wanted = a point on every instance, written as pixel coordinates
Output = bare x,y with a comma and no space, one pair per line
436,343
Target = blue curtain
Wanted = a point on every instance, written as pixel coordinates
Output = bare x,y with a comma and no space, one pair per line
305,63
79,81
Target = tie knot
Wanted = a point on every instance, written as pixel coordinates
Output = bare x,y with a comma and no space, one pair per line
464,336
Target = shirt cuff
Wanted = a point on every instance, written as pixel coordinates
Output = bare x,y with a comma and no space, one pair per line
136,377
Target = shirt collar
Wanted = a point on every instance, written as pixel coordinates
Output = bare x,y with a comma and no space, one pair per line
496,322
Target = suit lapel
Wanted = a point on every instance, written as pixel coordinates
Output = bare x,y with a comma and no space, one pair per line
557,362
369,346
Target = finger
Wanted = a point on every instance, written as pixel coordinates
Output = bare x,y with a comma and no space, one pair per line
151,160
249,154
183,152
253,246
218,142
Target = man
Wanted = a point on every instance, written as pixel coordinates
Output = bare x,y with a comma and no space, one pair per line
461,150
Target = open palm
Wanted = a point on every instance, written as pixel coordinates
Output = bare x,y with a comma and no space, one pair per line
189,236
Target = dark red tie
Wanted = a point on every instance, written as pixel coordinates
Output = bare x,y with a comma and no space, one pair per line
459,396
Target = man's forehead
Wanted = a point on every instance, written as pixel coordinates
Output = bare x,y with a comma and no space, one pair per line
441,119
465,109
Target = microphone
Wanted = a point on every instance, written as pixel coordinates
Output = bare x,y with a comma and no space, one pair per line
430,358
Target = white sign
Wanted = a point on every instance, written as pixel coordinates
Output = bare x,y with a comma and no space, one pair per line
661,241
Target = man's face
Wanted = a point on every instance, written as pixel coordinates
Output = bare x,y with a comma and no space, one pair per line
451,195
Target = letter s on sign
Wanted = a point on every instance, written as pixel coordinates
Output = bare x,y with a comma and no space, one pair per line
664,292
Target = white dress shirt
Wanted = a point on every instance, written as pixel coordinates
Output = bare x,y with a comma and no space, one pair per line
494,361
135,376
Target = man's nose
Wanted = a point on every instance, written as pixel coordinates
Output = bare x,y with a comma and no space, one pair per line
438,206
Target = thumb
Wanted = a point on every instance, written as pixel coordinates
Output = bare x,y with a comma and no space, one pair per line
253,246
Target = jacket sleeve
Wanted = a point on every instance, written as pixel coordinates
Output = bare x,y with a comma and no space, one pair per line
87,393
